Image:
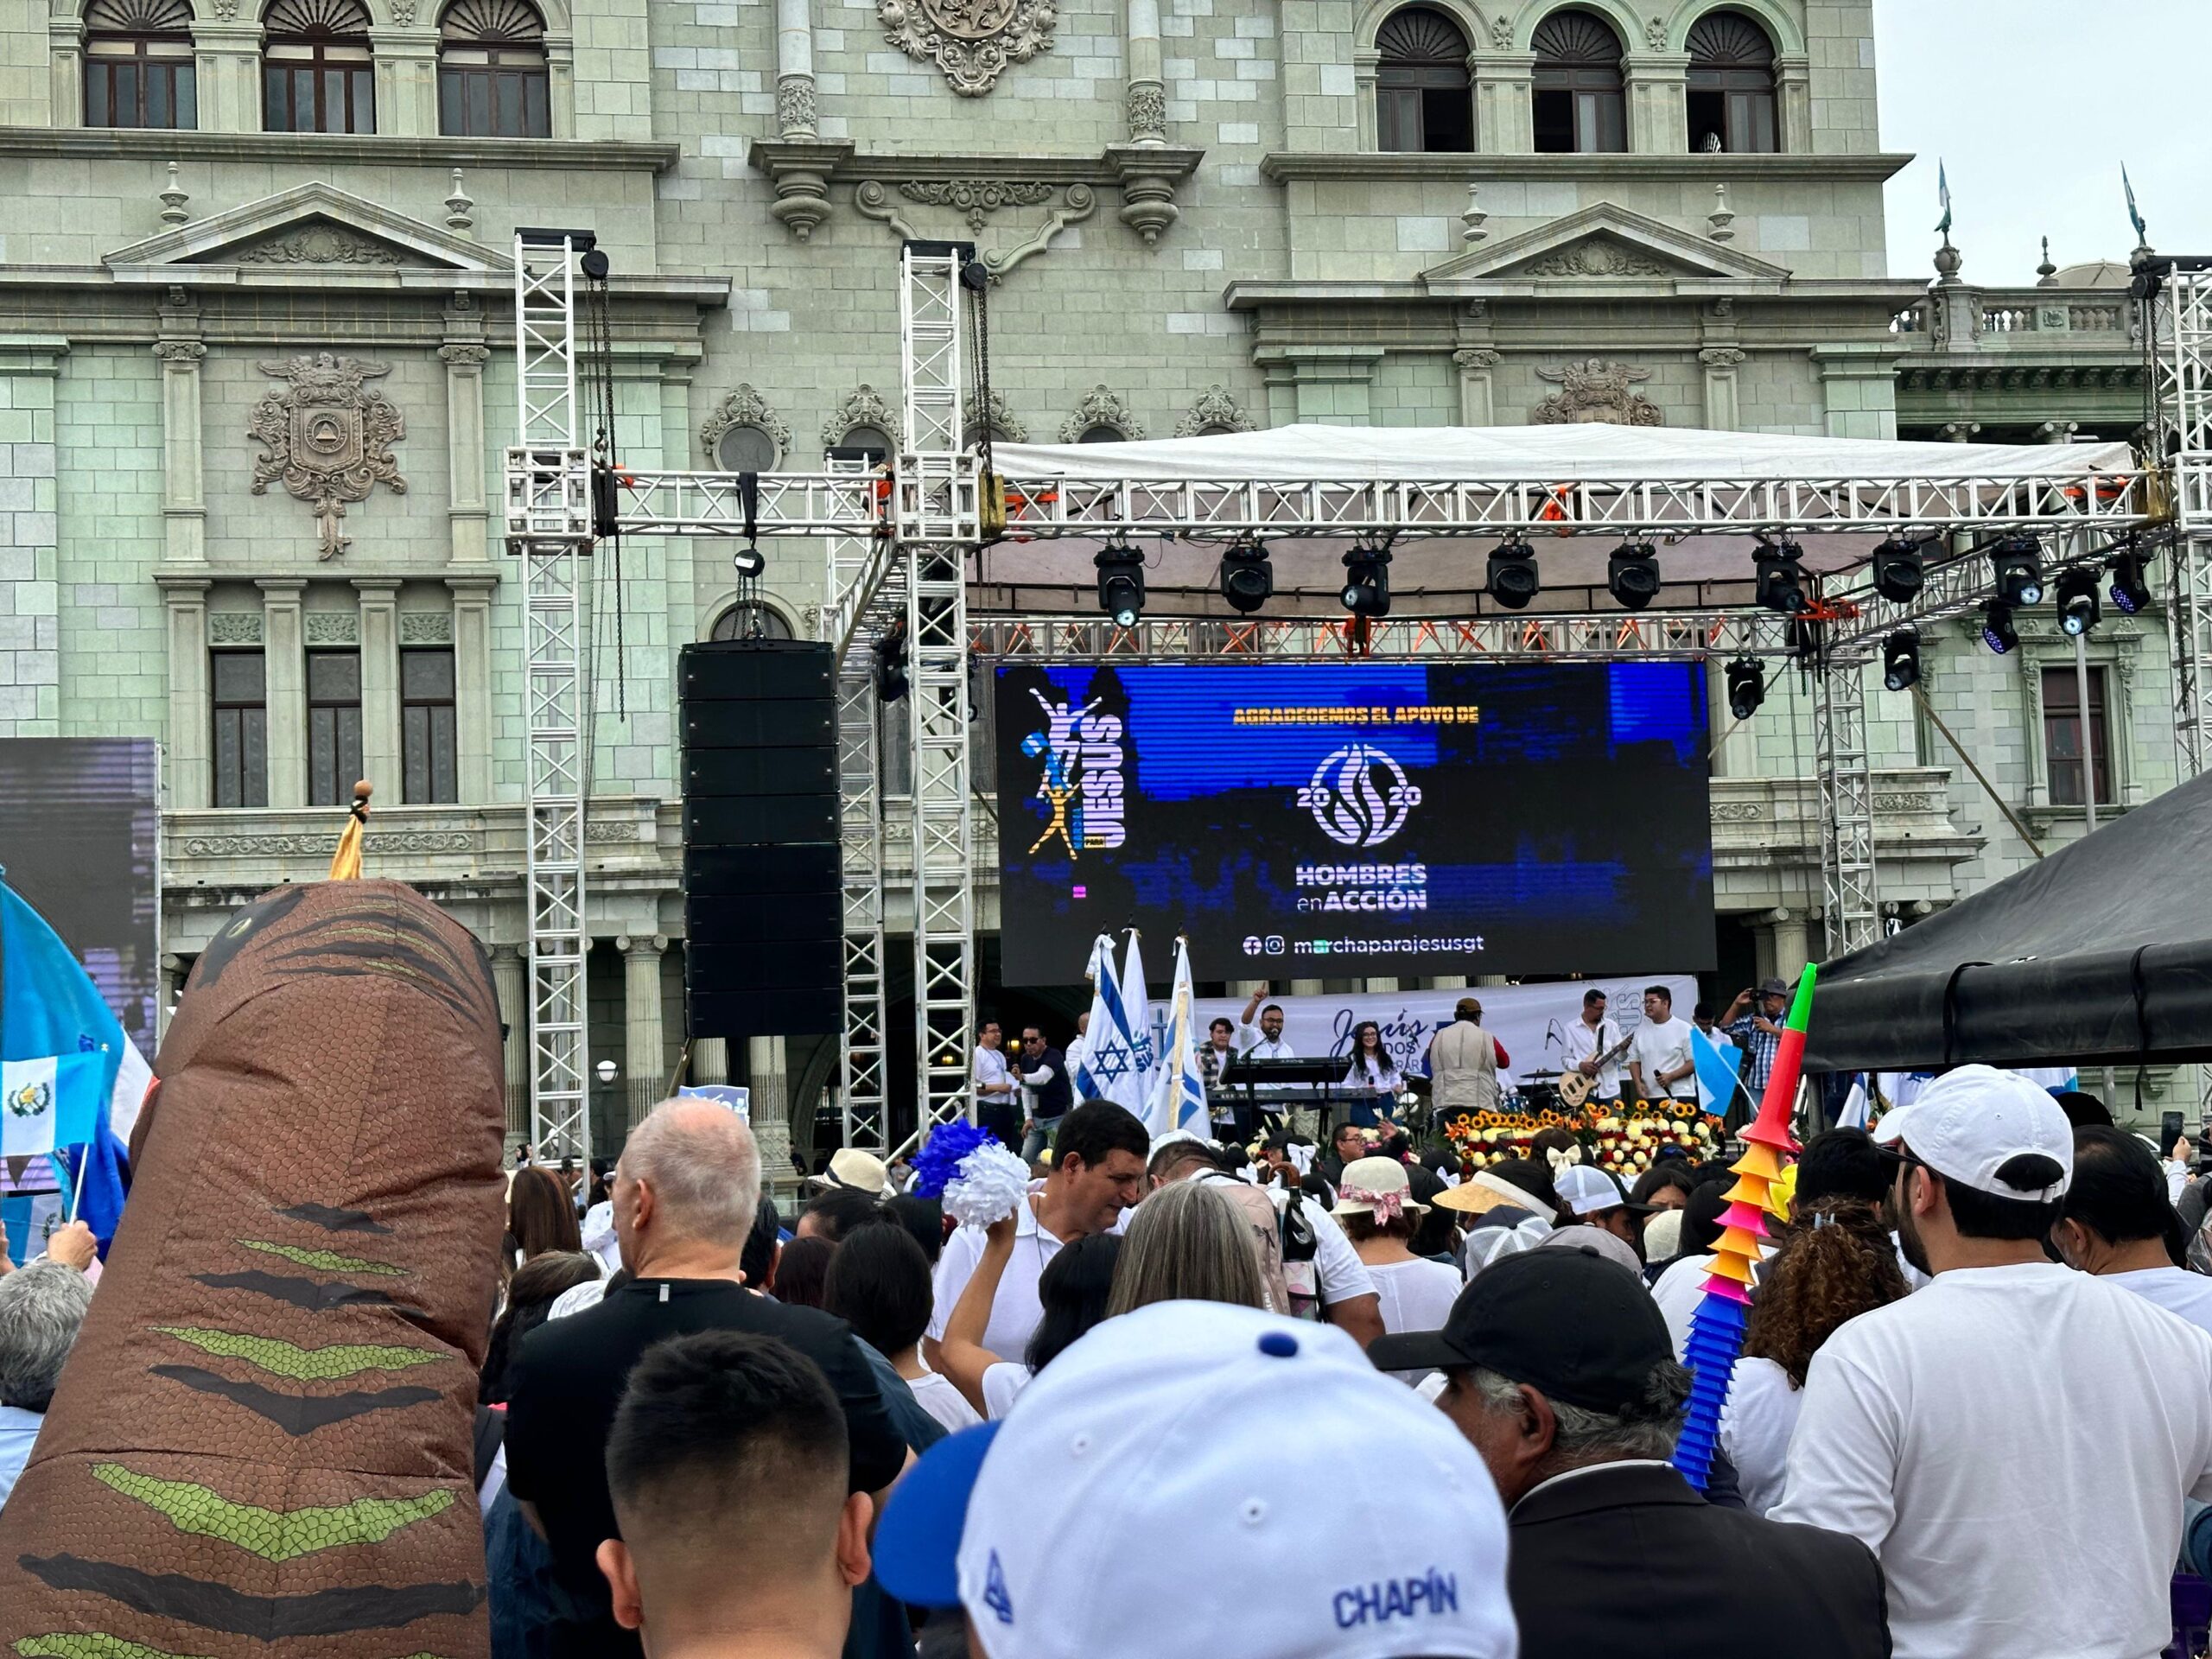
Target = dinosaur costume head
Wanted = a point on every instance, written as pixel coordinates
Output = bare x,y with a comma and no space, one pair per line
261,1443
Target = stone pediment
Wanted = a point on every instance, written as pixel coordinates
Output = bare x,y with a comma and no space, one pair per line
310,228
1605,244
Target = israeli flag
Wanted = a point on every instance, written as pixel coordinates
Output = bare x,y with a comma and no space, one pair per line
1109,1069
1138,1000
1179,1093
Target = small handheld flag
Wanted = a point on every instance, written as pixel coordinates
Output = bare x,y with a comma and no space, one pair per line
346,862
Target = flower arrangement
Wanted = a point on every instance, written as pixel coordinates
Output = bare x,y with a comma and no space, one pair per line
1613,1137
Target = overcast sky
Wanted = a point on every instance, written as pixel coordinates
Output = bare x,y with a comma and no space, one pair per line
2033,104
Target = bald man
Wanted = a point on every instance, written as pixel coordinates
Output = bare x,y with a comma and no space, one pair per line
728,1463
684,1194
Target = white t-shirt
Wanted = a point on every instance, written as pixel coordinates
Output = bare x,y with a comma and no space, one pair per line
1678,1291
2014,1443
1664,1048
1002,1382
1755,1429
1015,1311
1414,1296
937,1396
2176,1289
990,1067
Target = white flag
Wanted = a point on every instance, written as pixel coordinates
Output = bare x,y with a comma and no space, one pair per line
1178,1096
1109,1069
1143,1041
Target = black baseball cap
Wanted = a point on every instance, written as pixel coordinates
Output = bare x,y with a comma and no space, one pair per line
1571,1325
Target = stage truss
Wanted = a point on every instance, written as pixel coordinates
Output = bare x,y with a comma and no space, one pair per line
899,540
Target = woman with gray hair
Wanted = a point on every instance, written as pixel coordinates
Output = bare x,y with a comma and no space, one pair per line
41,1309
1187,1244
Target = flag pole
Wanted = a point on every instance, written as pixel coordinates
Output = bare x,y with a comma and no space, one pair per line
77,1197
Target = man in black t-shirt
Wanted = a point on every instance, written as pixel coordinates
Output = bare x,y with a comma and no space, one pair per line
684,1194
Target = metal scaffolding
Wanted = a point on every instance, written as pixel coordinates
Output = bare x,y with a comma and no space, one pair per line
2179,343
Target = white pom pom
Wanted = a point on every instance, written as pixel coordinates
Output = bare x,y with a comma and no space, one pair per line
990,1185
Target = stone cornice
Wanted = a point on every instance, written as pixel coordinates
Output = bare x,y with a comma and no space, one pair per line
567,155
1282,166
1252,295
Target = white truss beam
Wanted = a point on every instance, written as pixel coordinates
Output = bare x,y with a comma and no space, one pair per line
1850,892
1614,638
2181,358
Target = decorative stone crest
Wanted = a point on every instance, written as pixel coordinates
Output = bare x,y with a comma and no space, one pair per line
1501,33
464,355
971,41
1101,407
1215,410
332,628
328,436
234,628
226,10
976,199
1476,357
1147,111
743,407
179,351
403,13
1595,258
1721,357
865,407
1655,34
1004,424
426,628
317,244
1596,389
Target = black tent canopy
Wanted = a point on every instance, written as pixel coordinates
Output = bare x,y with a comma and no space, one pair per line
2101,953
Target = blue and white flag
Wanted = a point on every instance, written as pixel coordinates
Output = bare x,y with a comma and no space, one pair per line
1718,1066
1179,1093
1110,1070
2135,213
1944,191
1138,1000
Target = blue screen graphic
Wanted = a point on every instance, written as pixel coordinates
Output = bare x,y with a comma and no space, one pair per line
1362,819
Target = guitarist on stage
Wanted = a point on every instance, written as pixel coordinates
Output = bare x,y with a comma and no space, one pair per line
1592,1047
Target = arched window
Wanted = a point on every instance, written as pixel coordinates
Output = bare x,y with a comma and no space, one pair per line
491,81
1731,86
749,619
745,449
1422,97
316,73
138,64
1579,102
866,444
1103,434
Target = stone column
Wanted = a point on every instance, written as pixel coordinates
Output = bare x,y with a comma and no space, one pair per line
795,115
407,80
1793,77
766,1064
380,759
1721,363
65,46
472,668
1478,402
1366,68
190,782
1858,388
226,74
1148,90
561,84
709,1059
184,503
1320,383
467,511
1792,948
285,654
511,979
1658,110
30,605
1505,116
641,1031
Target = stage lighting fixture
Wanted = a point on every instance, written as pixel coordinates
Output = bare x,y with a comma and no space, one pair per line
1900,571
2078,610
1632,575
2016,562
1781,577
1367,581
1746,687
1901,660
1997,630
1513,581
1121,583
890,664
1248,581
2130,595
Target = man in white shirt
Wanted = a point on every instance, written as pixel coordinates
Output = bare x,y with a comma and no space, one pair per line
997,1094
1098,1164
2015,1440
2120,1226
1079,1047
1659,1062
1589,1040
1265,1041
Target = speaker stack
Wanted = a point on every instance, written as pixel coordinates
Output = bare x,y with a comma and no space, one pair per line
763,905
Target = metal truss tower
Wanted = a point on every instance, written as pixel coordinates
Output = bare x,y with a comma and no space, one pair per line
1850,894
548,526
2180,343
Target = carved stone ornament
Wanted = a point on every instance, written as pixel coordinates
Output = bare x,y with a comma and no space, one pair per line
1722,358
865,407
1476,357
226,10
1595,258
332,628
1101,407
971,41
1215,410
464,355
1596,389
234,627
386,841
403,13
179,351
976,200
1655,34
1501,33
1004,425
328,436
795,115
744,407
426,628
317,244
1147,110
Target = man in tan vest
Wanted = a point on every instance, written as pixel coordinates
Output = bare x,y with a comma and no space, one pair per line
1463,1061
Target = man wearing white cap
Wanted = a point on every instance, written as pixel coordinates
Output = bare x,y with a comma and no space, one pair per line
1594,1198
2015,1440
1139,1500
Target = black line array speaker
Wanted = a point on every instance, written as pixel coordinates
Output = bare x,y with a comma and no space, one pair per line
763,893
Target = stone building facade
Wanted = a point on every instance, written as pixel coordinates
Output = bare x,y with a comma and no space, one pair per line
256,368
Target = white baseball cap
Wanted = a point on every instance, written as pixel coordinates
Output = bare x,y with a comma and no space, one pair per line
1586,1189
1180,1448
1969,1124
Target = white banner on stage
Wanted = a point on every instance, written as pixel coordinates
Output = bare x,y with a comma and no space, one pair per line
1528,1021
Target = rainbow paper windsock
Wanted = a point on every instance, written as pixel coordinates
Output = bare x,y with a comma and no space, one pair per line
1716,1326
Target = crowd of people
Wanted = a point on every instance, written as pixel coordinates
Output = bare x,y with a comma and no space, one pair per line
1332,1400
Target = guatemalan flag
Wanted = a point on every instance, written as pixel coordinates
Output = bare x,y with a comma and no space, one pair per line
70,1081
1178,1094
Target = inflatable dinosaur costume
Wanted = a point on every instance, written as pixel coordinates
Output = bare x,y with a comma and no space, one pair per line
261,1445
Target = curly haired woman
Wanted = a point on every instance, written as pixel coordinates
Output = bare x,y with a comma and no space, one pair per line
1838,1262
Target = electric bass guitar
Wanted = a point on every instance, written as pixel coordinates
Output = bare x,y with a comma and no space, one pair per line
1574,1088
